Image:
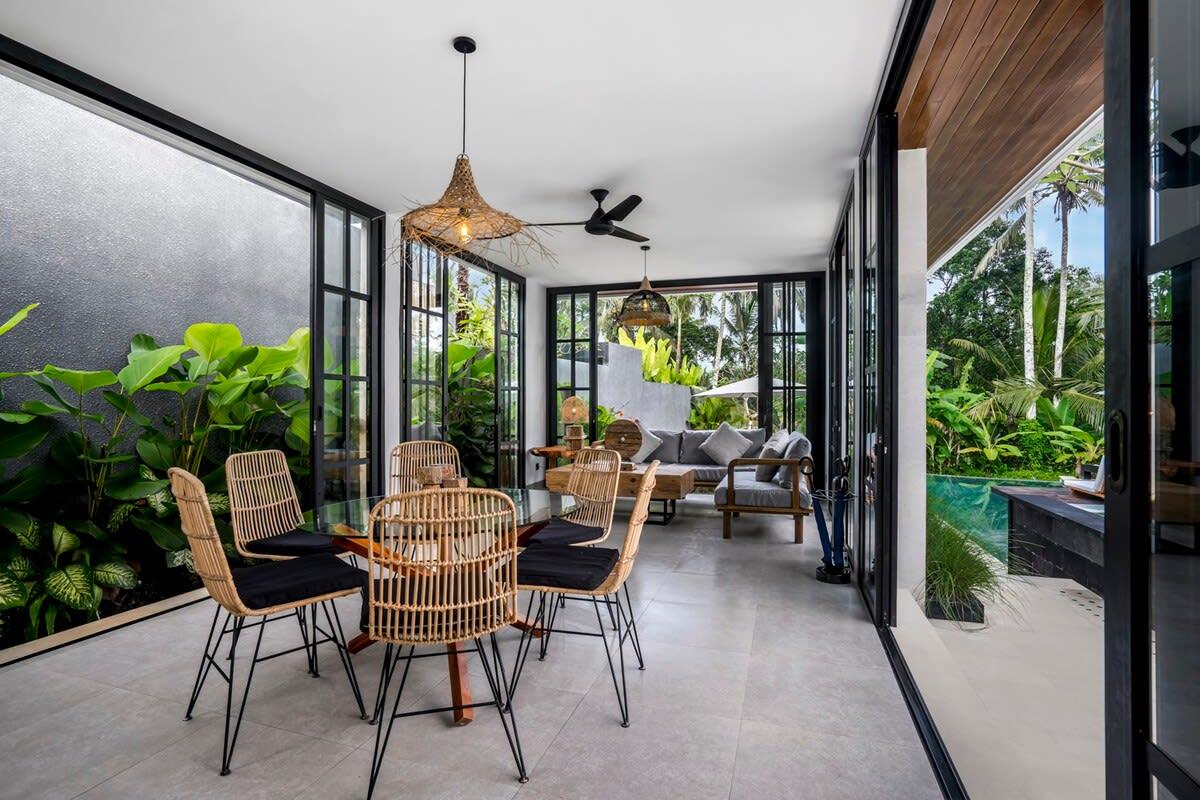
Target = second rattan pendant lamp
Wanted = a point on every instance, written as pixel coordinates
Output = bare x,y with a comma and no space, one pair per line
461,219
645,308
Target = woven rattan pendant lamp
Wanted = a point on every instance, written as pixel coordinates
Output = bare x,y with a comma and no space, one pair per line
461,219
645,308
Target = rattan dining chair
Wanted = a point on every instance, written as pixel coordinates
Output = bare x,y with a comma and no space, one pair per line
593,485
408,457
272,590
595,574
265,510
445,562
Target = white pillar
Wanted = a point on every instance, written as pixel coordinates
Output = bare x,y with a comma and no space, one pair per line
910,434
393,348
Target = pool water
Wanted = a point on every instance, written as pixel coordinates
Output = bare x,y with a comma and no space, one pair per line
969,505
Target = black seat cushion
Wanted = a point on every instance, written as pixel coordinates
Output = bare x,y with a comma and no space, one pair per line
279,582
293,543
563,531
565,566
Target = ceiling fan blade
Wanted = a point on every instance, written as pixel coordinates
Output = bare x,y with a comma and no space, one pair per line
554,224
621,210
621,233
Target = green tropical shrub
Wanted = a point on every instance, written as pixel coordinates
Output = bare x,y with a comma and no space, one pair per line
709,412
658,360
959,575
85,509
471,410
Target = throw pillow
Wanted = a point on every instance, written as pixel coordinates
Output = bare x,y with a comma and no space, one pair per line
798,447
772,449
650,443
725,444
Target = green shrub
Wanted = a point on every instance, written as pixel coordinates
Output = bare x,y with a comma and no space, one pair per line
1038,451
709,412
957,570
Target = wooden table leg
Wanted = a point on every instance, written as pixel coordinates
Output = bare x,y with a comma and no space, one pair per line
359,643
460,684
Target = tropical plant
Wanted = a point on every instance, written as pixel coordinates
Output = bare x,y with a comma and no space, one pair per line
471,410
1078,446
709,412
605,416
658,363
959,576
87,514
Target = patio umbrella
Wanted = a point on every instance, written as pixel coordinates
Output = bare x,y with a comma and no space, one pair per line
746,387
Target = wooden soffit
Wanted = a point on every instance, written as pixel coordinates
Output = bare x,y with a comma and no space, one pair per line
995,87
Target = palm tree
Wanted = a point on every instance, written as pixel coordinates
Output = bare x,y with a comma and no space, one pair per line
682,306
1075,184
1024,209
1083,356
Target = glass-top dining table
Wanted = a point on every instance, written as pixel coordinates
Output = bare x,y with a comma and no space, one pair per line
346,521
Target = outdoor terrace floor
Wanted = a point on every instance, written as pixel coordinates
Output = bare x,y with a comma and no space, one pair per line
760,683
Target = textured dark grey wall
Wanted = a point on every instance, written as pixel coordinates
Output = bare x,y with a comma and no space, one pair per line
115,233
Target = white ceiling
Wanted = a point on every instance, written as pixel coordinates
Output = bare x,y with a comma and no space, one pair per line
738,123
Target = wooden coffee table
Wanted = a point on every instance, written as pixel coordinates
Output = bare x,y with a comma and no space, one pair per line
672,482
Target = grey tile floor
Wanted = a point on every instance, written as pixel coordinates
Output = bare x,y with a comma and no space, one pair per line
760,683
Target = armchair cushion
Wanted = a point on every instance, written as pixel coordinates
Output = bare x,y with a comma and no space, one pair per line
772,449
759,494
277,583
565,566
798,447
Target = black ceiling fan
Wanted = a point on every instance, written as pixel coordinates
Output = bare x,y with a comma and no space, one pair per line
602,223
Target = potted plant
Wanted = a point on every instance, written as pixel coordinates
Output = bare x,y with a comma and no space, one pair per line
959,575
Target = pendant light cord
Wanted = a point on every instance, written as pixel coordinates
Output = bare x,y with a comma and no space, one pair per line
464,114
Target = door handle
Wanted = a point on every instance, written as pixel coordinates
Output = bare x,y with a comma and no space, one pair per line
1116,451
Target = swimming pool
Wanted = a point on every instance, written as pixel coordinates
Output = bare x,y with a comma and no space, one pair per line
969,504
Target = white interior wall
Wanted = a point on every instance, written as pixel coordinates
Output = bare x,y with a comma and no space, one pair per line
910,434
535,377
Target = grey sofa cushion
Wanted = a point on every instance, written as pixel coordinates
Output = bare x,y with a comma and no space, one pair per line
758,494
773,448
798,447
711,473
725,444
690,452
668,451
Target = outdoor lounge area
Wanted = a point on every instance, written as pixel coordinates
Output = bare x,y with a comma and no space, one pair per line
643,401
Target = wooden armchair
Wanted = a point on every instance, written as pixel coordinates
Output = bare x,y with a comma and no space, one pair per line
751,496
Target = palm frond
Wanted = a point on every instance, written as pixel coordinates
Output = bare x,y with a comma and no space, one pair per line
979,351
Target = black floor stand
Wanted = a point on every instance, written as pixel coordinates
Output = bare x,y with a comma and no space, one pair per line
661,517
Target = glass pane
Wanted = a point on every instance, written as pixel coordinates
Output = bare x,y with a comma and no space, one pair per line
1174,117
583,359
358,487
582,317
563,363
332,419
1175,517
335,484
360,254
335,246
357,445
335,332
562,317
358,352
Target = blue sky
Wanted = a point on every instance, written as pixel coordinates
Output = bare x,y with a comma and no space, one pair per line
1087,235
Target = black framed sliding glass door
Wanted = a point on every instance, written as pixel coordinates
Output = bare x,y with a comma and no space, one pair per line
510,383
345,358
1152,492
571,368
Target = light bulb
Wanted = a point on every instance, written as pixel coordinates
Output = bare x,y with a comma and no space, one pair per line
464,232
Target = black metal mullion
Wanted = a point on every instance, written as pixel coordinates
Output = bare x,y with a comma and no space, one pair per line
347,337
593,372
316,356
445,277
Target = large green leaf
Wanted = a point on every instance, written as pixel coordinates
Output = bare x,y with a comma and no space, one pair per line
62,540
28,484
178,387
18,417
80,381
182,558
21,566
156,450
115,575
23,526
169,539
146,366
126,407
272,360
18,438
301,339
240,357
13,593
132,486
71,585
212,341
16,318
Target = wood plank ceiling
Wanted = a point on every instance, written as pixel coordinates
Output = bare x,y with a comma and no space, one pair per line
995,87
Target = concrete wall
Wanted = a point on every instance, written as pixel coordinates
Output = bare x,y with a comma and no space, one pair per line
117,233
910,434
621,388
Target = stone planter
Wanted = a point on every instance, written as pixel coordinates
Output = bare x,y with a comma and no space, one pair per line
969,609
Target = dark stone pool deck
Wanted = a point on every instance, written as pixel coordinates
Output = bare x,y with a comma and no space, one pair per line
1049,536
